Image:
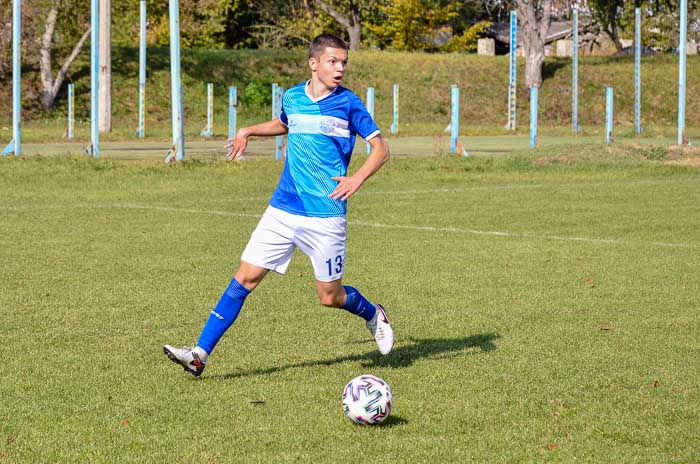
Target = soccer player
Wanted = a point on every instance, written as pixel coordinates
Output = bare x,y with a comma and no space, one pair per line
307,210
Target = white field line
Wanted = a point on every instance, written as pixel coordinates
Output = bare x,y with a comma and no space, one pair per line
525,186
453,230
526,235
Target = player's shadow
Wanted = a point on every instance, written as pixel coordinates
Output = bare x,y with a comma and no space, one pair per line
402,356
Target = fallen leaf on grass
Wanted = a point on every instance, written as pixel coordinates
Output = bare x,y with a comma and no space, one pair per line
552,446
124,422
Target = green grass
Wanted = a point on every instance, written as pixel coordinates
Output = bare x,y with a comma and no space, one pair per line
545,310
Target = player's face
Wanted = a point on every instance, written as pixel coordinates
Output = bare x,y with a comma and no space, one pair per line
330,66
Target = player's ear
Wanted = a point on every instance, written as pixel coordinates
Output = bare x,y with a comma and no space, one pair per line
313,63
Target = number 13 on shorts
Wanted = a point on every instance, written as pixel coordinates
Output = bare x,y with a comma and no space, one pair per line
335,266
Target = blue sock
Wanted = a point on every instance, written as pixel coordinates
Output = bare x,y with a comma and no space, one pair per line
223,315
357,304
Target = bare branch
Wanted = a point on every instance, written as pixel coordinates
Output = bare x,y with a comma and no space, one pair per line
69,60
339,17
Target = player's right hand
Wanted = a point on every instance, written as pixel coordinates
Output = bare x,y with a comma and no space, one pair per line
236,146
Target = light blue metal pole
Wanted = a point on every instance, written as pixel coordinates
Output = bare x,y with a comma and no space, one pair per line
454,119
94,148
15,145
574,75
637,71
277,92
208,131
513,67
70,112
279,140
275,114
533,117
608,115
682,140
232,110
370,109
395,120
142,72
178,149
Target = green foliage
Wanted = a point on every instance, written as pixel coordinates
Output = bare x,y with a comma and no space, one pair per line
257,93
410,24
467,41
659,20
202,22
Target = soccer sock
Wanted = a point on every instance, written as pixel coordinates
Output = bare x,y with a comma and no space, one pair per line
357,304
223,315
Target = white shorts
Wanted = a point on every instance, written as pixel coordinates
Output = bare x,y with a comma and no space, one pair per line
278,233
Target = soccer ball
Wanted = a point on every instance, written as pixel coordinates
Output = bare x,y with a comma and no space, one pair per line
367,400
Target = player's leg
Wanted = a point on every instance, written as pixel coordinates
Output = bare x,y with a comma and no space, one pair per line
336,295
224,314
323,241
270,248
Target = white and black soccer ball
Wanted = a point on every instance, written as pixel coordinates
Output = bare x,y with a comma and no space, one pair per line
367,400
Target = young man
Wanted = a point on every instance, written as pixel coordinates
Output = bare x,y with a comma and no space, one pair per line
307,210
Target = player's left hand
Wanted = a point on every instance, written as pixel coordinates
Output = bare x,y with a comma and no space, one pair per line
345,188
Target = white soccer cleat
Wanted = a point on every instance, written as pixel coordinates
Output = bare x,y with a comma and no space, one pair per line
380,328
187,358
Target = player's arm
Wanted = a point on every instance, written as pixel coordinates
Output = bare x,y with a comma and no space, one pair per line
348,185
237,145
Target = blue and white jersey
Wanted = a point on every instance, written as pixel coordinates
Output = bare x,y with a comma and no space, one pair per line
319,146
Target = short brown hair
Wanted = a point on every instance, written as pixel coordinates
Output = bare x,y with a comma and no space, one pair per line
323,41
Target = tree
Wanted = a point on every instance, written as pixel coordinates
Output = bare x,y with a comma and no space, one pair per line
409,24
349,18
49,85
606,14
202,22
534,17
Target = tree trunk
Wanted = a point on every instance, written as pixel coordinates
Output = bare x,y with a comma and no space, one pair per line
534,28
105,74
352,25
49,86
45,47
612,31
533,67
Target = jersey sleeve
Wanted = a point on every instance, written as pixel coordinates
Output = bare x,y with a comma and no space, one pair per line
361,121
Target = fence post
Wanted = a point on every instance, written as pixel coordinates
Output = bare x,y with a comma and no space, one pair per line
682,140
232,111
637,71
608,115
512,81
370,110
395,121
454,122
178,123
533,117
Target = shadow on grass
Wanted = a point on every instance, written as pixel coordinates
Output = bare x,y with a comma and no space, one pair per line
402,356
393,421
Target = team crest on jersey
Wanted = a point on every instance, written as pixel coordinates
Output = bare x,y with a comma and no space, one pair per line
327,126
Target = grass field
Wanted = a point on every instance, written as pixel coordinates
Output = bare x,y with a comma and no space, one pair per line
545,307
